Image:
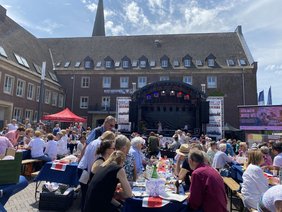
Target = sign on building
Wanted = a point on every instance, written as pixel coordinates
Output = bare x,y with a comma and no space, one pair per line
123,114
216,117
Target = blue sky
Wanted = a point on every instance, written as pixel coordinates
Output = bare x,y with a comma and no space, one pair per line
261,21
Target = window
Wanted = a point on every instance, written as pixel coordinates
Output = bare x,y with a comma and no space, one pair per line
134,63
67,64
187,63
87,64
58,64
143,64
153,63
212,82
84,102
175,63
85,82
20,88
21,60
37,68
106,102
61,100
125,64
142,81
106,82
2,52
117,64
30,91
35,115
108,64
9,84
164,78
242,62
37,93
230,62
77,64
211,62
54,99
164,63
199,63
99,64
187,79
17,114
47,96
28,114
53,76
124,82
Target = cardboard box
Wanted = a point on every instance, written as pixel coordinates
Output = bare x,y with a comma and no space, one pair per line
10,169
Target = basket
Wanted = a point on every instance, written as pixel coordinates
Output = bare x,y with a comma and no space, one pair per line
10,170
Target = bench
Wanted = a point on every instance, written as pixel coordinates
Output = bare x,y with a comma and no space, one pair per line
27,166
232,187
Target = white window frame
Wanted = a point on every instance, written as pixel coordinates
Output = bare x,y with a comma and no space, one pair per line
142,63
108,64
20,88
106,102
124,82
28,114
187,63
107,82
164,78
61,101
30,91
211,62
85,82
164,63
8,86
188,80
125,64
142,81
47,99
17,113
35,115
84,101
54,101
211,82
37,93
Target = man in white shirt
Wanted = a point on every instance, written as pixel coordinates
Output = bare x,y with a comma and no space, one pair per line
220,158
13,125
277,150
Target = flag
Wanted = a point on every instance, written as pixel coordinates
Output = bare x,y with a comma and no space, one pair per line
154,202
59,165
261,98
269,97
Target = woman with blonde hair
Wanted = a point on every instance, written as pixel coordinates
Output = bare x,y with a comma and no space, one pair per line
28,136
254,183
243,149
103,184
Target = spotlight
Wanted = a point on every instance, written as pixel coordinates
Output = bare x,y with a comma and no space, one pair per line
172,93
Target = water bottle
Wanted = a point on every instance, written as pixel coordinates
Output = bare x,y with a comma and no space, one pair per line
155,173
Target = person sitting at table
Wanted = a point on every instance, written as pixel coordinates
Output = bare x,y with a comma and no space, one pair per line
271,200
220,158
212,150
28,136
51,147
5,143
266,156
62,144
36,145
243,149
123,144
277,150
103,185
153,145
254,183
105,149
14,135
207,191
135,150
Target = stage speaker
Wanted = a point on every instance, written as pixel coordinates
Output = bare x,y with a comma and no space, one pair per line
133,111
205,107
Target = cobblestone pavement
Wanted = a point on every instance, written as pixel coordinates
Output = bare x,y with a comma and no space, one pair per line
24,201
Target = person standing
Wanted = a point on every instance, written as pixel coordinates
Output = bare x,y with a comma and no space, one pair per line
205,183
13,125
5,143
153,145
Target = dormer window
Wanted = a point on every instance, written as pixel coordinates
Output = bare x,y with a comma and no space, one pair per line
242,62
125,64
2,52
230,62
21,60
108,64
211,62
88,63
142,64
187,63
164,61
67,64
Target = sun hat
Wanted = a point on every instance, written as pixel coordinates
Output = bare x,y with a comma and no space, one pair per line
183,150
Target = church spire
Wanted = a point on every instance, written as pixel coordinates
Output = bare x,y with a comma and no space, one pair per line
99,25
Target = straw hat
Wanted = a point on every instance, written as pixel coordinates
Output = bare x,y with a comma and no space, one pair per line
183,150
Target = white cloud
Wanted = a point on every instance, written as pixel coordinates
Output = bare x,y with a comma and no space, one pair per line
114,29
92,7
48,26
135,15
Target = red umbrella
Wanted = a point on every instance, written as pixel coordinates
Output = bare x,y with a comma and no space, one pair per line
64,116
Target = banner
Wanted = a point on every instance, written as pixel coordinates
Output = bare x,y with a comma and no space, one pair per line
216,117
123,114
269,97
261,98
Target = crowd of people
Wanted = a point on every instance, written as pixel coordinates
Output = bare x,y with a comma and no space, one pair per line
110,162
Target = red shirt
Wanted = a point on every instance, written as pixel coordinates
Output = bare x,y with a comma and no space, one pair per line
207,190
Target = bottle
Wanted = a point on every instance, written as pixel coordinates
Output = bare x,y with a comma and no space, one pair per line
181,189
177,186
155,173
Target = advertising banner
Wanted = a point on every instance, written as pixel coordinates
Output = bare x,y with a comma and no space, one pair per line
216,117
260,118
123,114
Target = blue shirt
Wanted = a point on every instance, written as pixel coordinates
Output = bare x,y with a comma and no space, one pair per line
94,134
138,156
229,149
220,159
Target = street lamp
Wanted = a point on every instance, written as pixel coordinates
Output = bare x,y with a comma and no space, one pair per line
72,94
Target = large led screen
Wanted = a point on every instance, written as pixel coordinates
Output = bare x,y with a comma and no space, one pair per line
261,118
